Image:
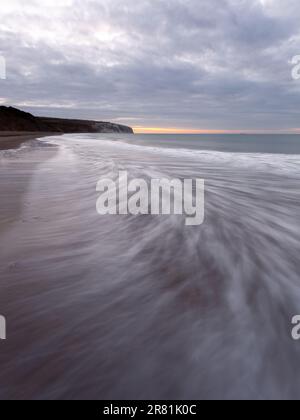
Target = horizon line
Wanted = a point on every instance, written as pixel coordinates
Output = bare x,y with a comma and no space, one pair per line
162,130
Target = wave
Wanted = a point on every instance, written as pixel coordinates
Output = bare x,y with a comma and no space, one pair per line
147,307
284,163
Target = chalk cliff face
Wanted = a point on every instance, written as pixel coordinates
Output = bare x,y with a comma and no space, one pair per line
12,119
83,126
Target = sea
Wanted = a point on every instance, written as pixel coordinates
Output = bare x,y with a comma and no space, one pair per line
145,307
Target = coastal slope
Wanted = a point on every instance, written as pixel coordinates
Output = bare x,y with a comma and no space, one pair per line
15,120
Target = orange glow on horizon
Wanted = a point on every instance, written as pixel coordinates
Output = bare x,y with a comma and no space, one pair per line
160,130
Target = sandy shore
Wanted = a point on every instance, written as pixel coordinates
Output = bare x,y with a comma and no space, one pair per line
15,174
13,140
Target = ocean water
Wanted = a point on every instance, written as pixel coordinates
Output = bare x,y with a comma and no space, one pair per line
271,144
144,307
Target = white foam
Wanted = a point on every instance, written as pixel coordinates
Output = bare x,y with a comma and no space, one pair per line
282,163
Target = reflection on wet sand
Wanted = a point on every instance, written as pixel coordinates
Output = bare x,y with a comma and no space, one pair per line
144,307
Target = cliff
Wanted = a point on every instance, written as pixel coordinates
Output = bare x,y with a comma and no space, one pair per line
12,119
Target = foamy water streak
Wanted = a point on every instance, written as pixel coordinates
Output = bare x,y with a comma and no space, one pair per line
145,307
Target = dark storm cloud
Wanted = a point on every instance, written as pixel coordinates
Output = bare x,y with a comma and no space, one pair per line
219,64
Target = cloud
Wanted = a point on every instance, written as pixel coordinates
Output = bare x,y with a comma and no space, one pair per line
218,64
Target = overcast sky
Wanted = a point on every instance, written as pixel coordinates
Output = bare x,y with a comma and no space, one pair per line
191,64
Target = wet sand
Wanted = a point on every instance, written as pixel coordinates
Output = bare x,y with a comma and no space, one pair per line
13,140
124,307
16,170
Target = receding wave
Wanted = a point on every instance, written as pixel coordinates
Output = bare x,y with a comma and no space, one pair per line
132,307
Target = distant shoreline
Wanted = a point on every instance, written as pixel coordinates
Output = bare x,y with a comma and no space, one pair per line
13,120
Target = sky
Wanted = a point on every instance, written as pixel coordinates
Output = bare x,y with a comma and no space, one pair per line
156,65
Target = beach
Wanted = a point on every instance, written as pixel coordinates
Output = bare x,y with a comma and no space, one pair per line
149,202
16,168
13,140
144,307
